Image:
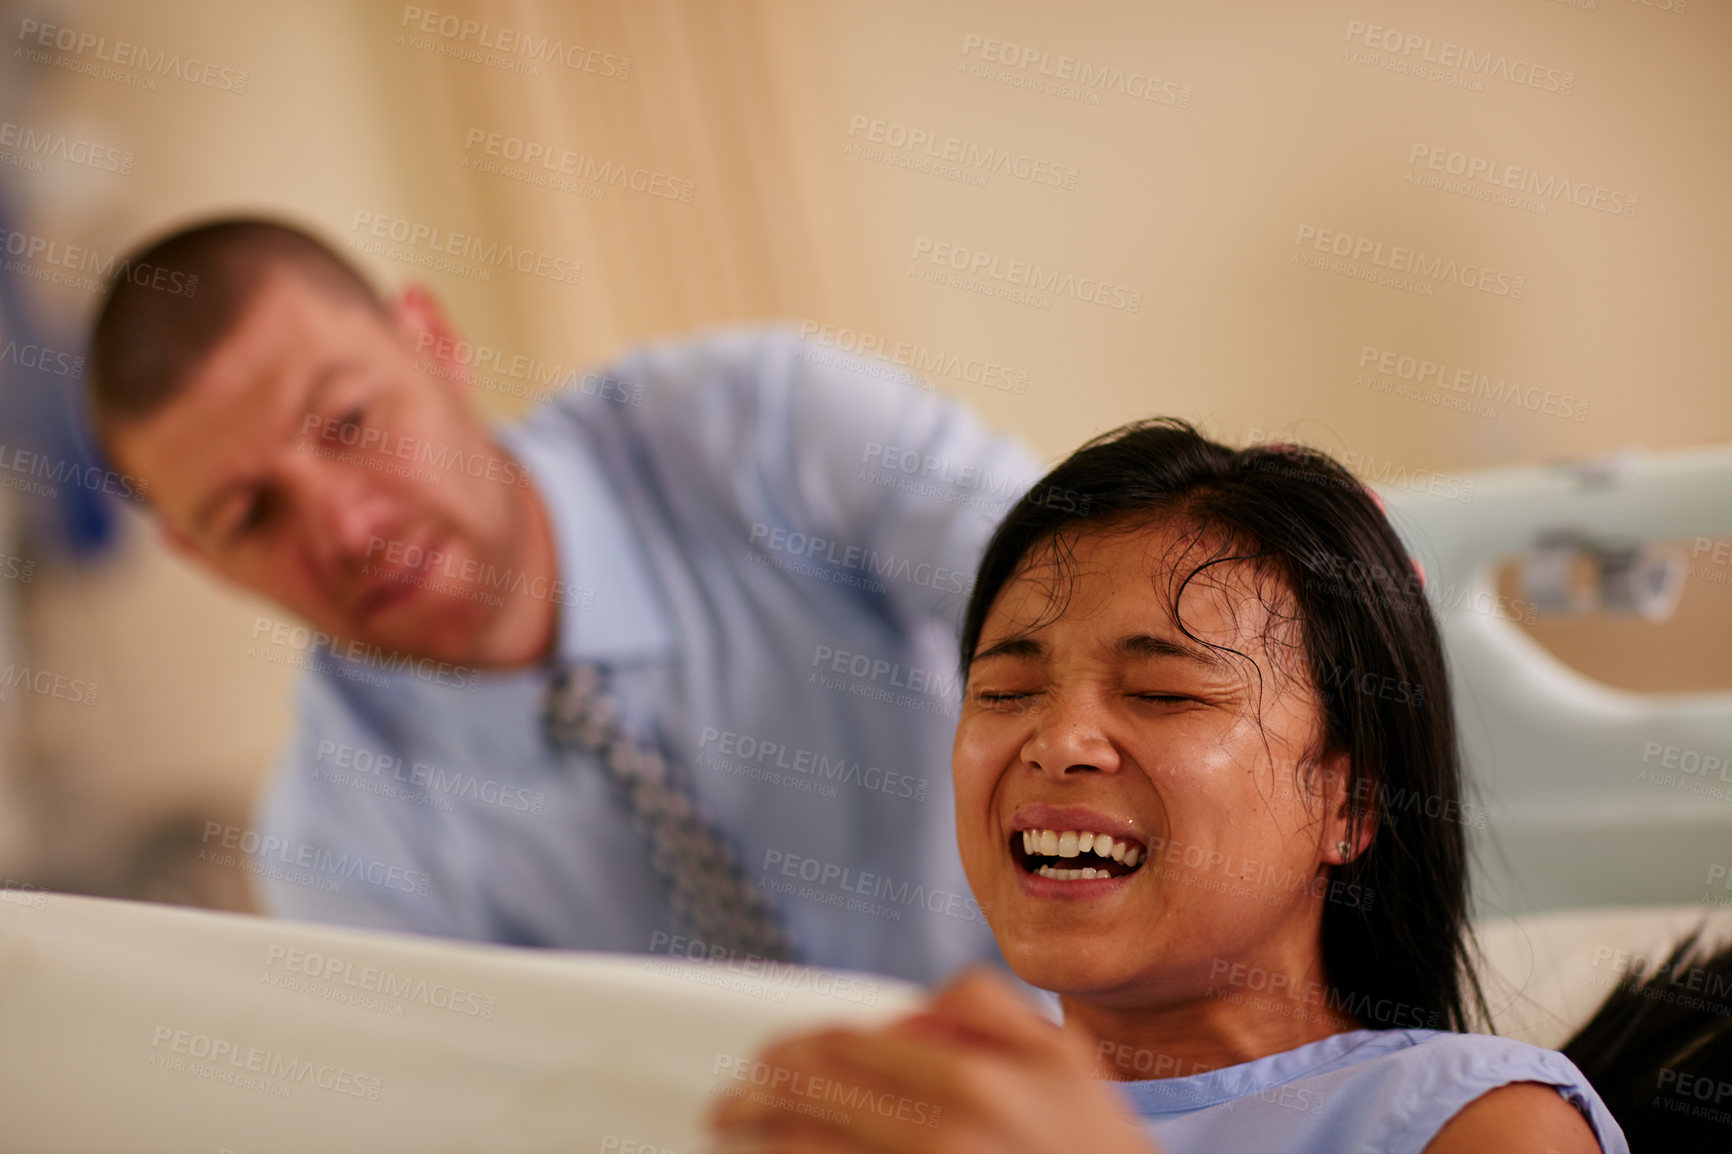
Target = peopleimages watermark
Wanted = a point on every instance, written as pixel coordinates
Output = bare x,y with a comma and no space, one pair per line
1677,983
927,150
354,655
253,1067
1372,683
1717,872
1517,186
16,568
1434,381
324,868
1369,470
966,478
461,253
1370,583
510,49
550,166
420,782
33,146
32,472
748,756
753,975
1266,883
1143,1062
470,579
877,679
614,1144
1393,268
1018,281
338,433
860,560
802,1093
1394,804
126,63
43,359
530,377
46,683
1446,62
1686,770
340,979
1066,77
17,893
1696,1094
1285,996
860,891
906,361
78,266
1719,554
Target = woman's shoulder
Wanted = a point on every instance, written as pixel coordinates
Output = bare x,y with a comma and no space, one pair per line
1428,1076
1365,1089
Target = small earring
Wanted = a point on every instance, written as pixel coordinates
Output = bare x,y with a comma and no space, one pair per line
1345,849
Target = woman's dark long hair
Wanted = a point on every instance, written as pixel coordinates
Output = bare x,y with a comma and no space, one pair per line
1659,1051
1399,954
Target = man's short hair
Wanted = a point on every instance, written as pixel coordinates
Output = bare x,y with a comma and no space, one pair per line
148,341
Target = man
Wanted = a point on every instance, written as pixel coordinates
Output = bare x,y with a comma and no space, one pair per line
670,666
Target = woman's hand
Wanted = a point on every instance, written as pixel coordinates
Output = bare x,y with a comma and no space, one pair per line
977,1072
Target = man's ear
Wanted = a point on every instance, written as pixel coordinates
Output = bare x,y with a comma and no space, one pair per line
429,335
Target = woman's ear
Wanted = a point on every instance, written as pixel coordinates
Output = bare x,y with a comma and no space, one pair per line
1352,817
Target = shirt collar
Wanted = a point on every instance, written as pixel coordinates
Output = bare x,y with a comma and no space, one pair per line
613,611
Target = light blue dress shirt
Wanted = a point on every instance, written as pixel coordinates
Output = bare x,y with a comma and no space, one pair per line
768,546
1361,1092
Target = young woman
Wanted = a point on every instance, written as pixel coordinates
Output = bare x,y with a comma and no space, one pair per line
1208,791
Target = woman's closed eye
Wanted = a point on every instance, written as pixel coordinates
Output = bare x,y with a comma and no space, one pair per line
1006,698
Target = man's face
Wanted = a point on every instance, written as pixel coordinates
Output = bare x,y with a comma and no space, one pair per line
307,458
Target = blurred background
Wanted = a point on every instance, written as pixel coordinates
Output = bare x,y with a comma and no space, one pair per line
1428,238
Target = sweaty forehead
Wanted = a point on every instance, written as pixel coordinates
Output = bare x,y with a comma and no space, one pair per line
1123,578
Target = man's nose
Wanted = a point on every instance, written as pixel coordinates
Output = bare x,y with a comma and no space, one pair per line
1069,737
347,516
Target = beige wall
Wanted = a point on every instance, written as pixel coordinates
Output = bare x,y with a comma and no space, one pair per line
1270,119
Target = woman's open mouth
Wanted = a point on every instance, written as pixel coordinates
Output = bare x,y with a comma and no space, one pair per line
1075,855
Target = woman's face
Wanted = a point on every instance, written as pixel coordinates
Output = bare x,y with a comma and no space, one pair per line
1092,723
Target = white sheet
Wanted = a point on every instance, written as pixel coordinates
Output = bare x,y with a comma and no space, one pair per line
112,1013
100,1001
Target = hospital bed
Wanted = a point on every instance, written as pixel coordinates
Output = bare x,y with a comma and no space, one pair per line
1595,795
129,1027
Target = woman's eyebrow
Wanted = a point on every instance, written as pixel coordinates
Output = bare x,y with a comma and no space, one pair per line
1026,648
1148,645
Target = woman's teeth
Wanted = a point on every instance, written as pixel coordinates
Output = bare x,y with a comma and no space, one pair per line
1072,843
1083,874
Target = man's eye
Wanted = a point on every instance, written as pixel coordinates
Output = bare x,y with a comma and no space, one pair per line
1162,698
253,516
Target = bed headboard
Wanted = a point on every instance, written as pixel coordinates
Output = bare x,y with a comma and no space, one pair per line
1594,795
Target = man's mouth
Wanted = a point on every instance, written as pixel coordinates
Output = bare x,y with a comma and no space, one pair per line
394,583
1075,855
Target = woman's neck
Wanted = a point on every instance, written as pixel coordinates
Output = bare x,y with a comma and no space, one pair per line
1247,1011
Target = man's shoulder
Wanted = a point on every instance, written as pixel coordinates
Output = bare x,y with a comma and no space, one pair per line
729,372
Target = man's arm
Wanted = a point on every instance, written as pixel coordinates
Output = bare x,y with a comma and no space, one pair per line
331,853
835,461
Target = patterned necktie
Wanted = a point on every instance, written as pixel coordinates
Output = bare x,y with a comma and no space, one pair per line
706,887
